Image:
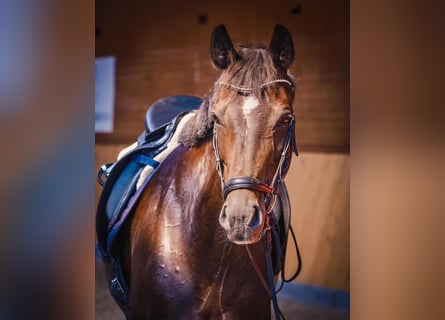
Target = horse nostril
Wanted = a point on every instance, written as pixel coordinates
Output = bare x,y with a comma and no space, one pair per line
255,220
223,218
223,215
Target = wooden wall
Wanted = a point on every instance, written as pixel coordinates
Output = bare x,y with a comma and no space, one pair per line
162,49
318,185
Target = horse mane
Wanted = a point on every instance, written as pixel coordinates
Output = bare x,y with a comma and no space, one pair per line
199,127
253,69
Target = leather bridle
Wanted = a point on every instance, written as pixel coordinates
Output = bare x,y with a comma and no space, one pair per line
270,189
245,182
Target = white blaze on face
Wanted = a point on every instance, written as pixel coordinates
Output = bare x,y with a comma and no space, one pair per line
249,105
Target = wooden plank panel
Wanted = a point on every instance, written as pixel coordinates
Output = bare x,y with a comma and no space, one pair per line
318,186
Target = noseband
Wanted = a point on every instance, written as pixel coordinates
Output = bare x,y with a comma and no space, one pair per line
245,182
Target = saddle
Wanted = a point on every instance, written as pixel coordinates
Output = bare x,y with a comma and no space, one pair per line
120,193
119,178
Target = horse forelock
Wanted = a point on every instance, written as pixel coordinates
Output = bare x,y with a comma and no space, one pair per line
255,68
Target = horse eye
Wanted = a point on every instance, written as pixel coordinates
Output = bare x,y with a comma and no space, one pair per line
216,119
283,121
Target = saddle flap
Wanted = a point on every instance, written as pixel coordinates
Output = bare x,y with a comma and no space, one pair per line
118,188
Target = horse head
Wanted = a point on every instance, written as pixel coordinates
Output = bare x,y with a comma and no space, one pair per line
253,132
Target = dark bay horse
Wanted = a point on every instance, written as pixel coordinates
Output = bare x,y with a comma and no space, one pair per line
193,249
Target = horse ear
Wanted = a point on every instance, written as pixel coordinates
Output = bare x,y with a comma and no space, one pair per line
281,47
221,48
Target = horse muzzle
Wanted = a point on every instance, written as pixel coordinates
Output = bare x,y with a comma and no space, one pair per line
242,218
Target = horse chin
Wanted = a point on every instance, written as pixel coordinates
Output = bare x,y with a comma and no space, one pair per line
245,237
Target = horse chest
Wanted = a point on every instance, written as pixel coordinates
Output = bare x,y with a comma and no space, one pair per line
233,293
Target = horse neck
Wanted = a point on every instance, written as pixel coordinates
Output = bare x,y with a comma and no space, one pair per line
201,185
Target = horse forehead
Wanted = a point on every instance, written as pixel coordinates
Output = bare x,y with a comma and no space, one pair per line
253,107
248,105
